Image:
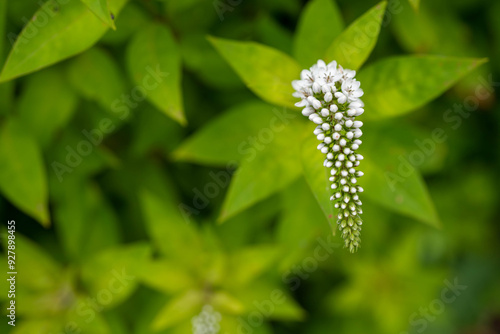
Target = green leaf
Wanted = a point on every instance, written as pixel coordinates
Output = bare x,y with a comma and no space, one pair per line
165,276
23,178
394,86
69,29
163,216
154,62
96,76
248,263
231,136
101,10
285,306
391,180
266,71
32,258
39,111
302,218
317,176
115,270
415,4
271,169
181,307
319,24
353,46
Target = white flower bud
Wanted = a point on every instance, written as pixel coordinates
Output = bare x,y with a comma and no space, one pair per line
349,135
349,123
354,147
342,142
329,156
328,140
325,126
347,150
357,124
328,97
318,120
317,131
339,116
341,157
324,150
338,127
321,136
338,164
336,148
334,108
324,112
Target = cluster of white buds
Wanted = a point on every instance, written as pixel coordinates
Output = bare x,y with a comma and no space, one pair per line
207,321
330,96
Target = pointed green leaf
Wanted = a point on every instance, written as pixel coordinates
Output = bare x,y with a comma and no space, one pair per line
96,76
23,178
266,71
398,85
167,226
317,176
391,180
230,136
101,10
179,308
302,218
248,263
154,62
70,28
353,46
39,110
165,276
320,23
272,168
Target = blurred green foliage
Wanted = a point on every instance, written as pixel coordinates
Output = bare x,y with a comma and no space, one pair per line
154,163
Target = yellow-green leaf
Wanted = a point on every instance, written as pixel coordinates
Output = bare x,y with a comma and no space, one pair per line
70,28
101,10
271,169
266,71
353,46
23,178
319,24
398,85
154,62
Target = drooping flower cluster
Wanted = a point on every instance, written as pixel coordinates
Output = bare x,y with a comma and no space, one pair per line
330,96
207,321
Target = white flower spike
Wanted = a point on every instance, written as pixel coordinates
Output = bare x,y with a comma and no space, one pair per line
330,96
